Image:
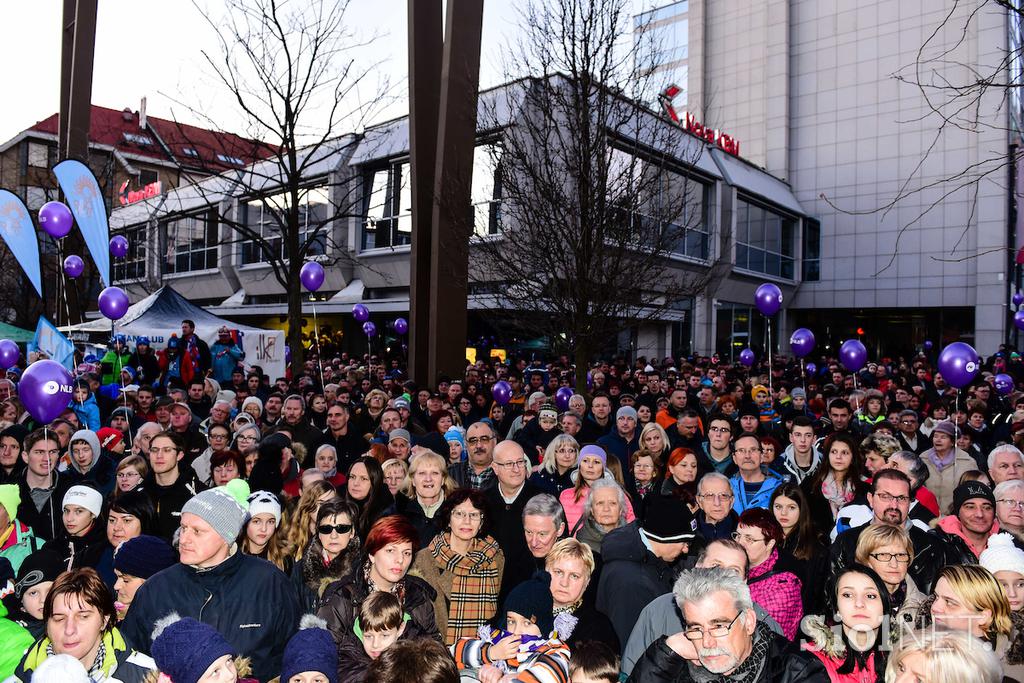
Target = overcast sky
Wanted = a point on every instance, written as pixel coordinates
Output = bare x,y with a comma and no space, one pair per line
148,48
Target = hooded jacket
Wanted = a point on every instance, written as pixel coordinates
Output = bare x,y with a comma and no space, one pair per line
88,412
312,576
661,664
83,551
168,500
742,501
787,467
101,473
628,562
248,600
828,648
46,520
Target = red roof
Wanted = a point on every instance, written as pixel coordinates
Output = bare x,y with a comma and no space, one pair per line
192,147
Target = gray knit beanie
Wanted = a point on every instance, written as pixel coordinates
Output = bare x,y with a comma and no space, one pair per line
220,510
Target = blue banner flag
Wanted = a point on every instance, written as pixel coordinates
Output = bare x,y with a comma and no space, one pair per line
83,195
55,345
19,233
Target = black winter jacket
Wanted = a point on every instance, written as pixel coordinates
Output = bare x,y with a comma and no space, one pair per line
46,523
168,500
411,509
660,664
248,600
628,562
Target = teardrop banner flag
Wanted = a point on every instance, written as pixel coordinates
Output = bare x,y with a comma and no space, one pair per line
19,234
82,194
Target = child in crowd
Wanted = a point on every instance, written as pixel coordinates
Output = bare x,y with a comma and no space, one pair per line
85,406
311,656
189,651
526,645
593,662
381,622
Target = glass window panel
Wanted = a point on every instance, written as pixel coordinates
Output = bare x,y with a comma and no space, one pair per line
787,268
756,260
772,231
742,256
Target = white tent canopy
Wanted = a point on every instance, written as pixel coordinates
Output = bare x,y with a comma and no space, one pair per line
159,315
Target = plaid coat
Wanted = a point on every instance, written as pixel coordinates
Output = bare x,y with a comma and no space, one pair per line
467,585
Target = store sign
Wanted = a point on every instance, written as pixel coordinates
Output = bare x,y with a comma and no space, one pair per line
131,196
687,122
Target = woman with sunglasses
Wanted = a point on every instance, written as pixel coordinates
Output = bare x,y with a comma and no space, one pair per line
331,554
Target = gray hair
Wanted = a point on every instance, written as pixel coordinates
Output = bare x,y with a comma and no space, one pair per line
545,505
918,470
1005,448
549,465
588,506
712,476
325,447
147,427
224,401
1008,486
694,585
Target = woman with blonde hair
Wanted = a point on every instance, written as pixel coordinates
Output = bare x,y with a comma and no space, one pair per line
129,475
368,419
395,472
888,550
654,439
303,518
554,475
968,598
930,656
425,489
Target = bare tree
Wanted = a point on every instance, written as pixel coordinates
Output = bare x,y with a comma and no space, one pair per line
295,73
603,219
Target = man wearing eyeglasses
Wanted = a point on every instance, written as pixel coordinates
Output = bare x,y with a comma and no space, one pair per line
722,639
715,516
889,500
476,471
909,433
505,504
753,485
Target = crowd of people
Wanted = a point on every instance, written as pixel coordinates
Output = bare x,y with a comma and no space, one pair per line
673,520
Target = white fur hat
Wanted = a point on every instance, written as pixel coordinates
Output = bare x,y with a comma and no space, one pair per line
1002,555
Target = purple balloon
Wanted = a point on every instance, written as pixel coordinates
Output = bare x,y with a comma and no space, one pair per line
287,354
119,246
361,313
55,219
1018,320
312,275
1003,382
747,357
928,344
113,303
74,265
562,397
802,342
401,325
369,329
958,363
768,299
45,389
1017,299
812,368
502,392
853,355
9,354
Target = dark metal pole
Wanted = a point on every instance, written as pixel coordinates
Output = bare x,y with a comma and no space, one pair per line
452,216
425,45
78,42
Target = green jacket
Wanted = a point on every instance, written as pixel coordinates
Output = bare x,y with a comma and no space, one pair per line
25,543
111,365
16,639
122,664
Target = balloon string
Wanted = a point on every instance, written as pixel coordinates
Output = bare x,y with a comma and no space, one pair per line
316,340
803,378
771,389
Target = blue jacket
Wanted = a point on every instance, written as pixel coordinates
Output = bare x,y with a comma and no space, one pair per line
225,360
743,502
88,413
248,600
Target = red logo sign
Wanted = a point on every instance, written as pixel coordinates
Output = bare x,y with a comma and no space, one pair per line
131,196
691,125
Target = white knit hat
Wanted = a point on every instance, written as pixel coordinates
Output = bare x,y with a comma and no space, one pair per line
264,502
60,669
83,496
1002,555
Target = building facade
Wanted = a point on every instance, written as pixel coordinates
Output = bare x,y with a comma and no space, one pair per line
911,191
362,185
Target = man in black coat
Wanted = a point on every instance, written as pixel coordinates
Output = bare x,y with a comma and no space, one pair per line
641,562
722,640
41,486
505,505
890,504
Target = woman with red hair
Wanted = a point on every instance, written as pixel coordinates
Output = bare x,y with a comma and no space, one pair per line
682,472
773,583
388,553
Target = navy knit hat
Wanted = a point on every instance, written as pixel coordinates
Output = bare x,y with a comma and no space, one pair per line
185,648
531,599
312,648
144,556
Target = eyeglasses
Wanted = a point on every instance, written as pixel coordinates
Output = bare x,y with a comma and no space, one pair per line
748,451
128,475
720,430
716,497
474,440
720,631
1014,504
889,498
514,465
339,528
889,557
746,538
471,516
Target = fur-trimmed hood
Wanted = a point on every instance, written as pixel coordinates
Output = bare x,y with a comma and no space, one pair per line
317,575
824,639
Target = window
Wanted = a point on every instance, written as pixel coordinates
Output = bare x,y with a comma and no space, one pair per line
190,152
146,177
812,250
228,159
764,240
38,155
133,265
137,139
191,243
486,191
35,197
388,202
267,216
